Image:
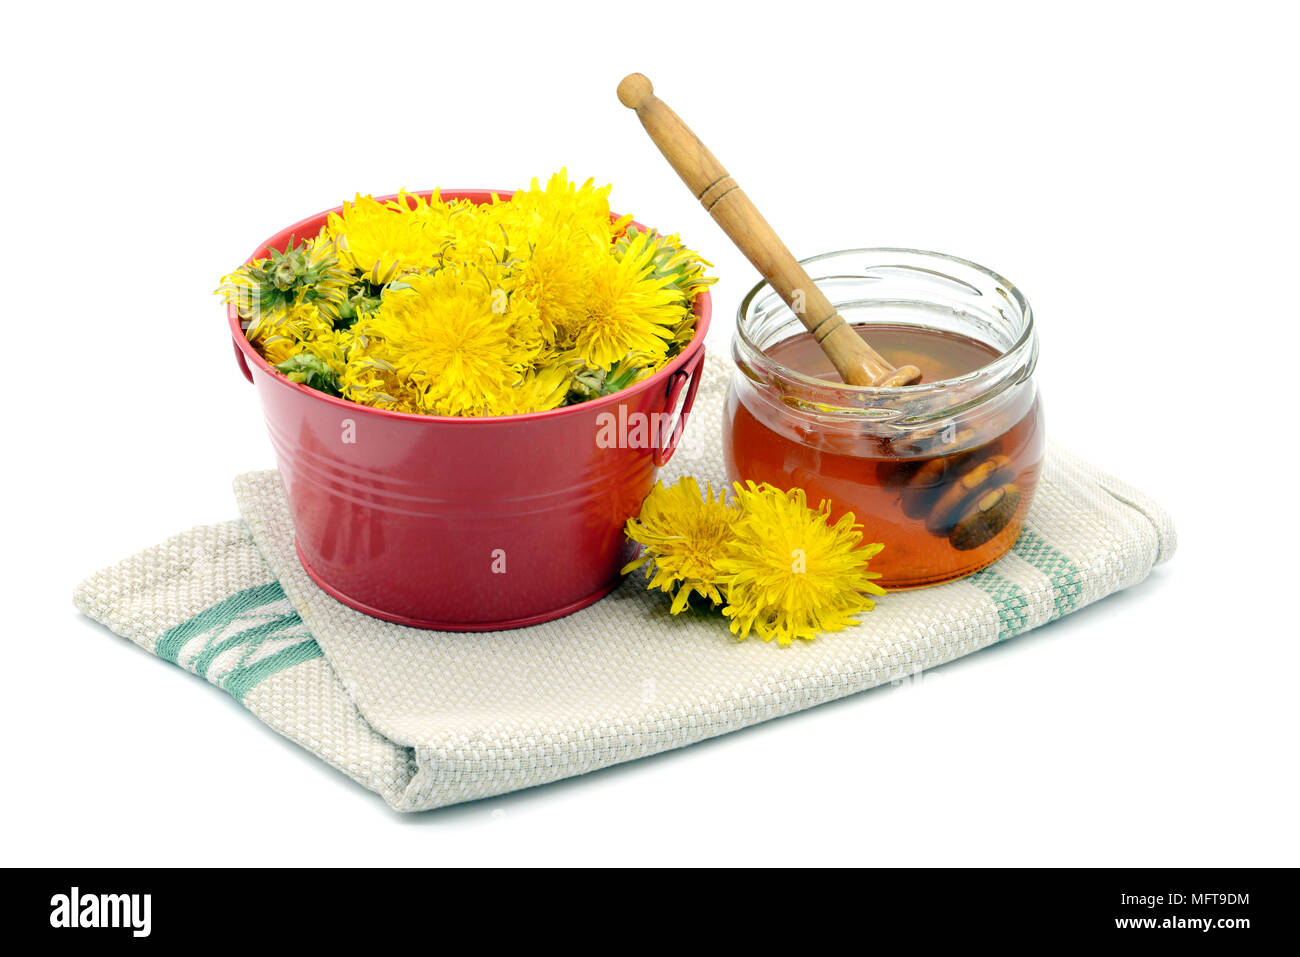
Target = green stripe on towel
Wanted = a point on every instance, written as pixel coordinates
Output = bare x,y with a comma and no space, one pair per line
1009,599
245,623
1067,583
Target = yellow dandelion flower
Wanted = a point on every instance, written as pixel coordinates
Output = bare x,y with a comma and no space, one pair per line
278,349
555,275
788,572
683,266
539,390
535,212
685,535
265,291
450,335
531,347
628,310
372,381
380,241
458,232
332,348
428,211
684,269
281,333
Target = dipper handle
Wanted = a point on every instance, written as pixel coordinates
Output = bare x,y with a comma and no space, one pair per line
855,360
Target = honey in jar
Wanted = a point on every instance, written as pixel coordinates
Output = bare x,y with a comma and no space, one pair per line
942,472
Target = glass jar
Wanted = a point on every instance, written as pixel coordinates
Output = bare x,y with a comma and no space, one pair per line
942,472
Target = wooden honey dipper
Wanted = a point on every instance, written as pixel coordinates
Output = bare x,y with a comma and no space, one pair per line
964,494
854,359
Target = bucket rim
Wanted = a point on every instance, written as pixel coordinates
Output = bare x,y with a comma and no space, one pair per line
310,225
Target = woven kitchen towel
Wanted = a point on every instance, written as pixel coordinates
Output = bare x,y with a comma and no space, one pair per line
428,719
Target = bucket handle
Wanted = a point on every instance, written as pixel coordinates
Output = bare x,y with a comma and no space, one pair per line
243,363
688,378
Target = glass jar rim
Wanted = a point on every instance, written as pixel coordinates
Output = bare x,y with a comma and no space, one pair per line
1005,363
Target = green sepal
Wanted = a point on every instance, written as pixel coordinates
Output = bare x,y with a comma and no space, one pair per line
312,371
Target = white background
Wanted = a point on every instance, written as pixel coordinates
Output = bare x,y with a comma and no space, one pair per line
1132,167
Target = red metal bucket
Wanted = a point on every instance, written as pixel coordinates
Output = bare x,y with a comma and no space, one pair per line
468,524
